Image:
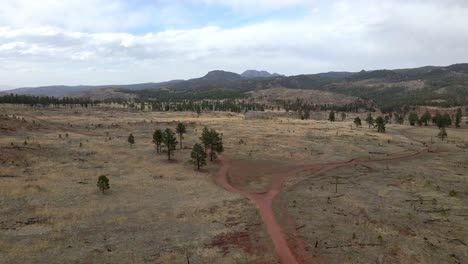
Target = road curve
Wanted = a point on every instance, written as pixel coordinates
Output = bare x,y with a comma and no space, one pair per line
264,200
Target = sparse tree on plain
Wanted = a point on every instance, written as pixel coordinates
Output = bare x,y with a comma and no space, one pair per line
331,116
212,140
447,120
442,120
131,139
205,138
343,116
442,133
181,130
425,118
198,155
357,121
387,119
157,139
380,122
169,141
458,117
103,183
413,118
399,118
370,120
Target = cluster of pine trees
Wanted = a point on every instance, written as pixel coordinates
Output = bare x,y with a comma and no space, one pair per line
236,106
441,121
45,100
303,108
166,141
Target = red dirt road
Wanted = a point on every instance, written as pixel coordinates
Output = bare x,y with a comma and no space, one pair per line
264,201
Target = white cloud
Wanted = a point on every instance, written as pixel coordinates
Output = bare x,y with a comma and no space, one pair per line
344,35
265,4
89,15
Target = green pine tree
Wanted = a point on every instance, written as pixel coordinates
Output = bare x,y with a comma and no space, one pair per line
442,133
131,139
343,116
103,183
198,155
370,120
181,130
331,116
413,118
169,141
157,139
212,141
380,122
357,121
458,117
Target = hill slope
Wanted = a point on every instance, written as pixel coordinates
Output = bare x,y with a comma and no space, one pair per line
389,89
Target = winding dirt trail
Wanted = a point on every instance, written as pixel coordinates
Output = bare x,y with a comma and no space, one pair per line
264,201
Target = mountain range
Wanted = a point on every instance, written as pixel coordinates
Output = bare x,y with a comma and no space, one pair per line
215,76
446,85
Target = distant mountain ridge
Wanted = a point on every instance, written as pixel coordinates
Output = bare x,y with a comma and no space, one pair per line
252,74
64,90
212,77
444,85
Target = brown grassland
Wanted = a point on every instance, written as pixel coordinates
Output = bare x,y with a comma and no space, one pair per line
408,210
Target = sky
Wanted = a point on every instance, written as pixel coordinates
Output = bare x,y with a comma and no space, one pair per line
73,42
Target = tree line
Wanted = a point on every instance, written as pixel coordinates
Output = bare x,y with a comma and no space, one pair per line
45,100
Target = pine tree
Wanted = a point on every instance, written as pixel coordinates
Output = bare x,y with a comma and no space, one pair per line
370,120
169,141
205,138
447,120
212,141
425,118
181,131
438,120
331,116
380,122
103,183
442,133
131,139
357,121
413,118
198,155
343,116
458,117
399,118
157,139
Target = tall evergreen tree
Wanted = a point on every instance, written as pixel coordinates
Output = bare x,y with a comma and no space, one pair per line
157,139
131,139
357,121
198,155
103,183
181,130
442,133
380,122
343,116
426,117
413,118
212,141
169,141
458,117
370,120
447,120
205,138
331,116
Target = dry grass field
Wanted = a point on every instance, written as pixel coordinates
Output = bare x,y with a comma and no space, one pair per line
384,211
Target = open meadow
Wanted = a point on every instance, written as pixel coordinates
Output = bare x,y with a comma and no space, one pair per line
289,190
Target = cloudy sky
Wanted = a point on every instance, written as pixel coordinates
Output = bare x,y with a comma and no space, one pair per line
118,41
